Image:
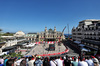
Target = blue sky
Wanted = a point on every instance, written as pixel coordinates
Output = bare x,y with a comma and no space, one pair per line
34,15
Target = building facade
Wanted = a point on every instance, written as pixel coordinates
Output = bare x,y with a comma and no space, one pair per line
50,35
87,32
31,37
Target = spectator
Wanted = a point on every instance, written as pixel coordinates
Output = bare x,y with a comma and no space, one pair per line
6,61
31,62
18,61
1,64
59,62
62,58
15,63
74,63
95,60
89,61
46,62
27,59
38,61
23,62
1,60
10,62
67,62
82,62
52,61
76,59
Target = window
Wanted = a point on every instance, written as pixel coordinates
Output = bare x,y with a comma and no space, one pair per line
98,24
53,35
96,28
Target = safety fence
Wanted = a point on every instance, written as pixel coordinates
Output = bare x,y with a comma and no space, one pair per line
59,53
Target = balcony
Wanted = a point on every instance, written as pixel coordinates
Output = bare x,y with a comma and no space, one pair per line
99,29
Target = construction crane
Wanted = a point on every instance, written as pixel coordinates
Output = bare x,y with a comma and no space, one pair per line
62,33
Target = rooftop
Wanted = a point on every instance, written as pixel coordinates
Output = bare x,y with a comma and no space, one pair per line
89,20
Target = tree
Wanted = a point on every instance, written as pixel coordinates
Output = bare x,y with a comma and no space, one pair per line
0,34
0,30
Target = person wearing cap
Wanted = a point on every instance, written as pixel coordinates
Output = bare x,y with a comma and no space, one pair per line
18,61
38,61
95,60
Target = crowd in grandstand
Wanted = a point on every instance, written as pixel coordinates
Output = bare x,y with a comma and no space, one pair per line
49,61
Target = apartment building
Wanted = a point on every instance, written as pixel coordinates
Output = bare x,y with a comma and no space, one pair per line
87,32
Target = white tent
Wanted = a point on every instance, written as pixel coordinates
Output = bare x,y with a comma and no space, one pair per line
3,53
29,45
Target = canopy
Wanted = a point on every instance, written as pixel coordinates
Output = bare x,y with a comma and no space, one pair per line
20,44
81,45
9,48
84,49
30,45
77,42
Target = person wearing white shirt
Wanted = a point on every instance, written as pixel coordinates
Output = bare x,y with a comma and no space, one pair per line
89,61
82,62
52,61
18,61
59,62
31,62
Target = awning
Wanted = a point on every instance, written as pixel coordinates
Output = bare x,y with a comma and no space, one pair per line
77,42
19,44
81,45
92,42
9,48
84,49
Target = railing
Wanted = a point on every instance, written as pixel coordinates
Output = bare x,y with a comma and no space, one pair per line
21,40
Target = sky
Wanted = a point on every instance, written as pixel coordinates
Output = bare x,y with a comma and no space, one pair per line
35,15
